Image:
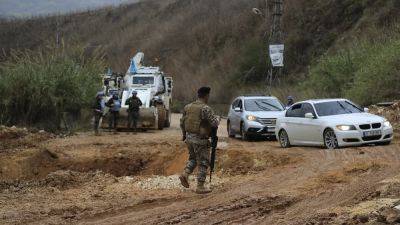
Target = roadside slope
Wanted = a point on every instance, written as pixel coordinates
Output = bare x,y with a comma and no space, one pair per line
207,42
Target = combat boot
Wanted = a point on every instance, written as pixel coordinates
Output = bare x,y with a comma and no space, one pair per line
201,189
184,178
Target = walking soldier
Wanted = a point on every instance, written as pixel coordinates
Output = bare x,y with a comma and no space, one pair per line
197,121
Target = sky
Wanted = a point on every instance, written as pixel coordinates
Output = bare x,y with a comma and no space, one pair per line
26,8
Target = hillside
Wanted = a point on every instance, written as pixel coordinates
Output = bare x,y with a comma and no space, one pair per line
218,43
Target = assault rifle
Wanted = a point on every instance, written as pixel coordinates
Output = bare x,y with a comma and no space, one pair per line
214,143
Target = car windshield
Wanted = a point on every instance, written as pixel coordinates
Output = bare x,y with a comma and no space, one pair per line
256,105
143,80
336,108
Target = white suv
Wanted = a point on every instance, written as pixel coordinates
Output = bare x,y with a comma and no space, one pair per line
252,116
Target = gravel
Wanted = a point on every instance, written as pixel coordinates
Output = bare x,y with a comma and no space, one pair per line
168,182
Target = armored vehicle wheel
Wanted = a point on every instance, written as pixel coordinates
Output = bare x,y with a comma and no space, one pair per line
161,116
168,119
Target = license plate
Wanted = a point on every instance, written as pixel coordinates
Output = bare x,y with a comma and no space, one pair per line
270,129
372,133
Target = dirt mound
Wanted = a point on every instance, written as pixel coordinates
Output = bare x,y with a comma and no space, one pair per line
13,137
61,179
240,161
391,113
65,178
379,204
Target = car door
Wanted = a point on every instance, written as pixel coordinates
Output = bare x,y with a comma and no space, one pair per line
293,120
233,115
308,130
237,115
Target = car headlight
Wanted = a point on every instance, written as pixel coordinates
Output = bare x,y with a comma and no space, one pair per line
346,127
387,124
251,118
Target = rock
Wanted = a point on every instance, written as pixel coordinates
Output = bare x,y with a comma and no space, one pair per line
68,215
96,195
363,218
391,215
129,179
42,131
35,171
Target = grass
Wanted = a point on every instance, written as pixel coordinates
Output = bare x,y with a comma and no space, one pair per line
224,46
39,87
367,72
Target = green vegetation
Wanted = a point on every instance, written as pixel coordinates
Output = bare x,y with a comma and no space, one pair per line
223,44
367,72
37,87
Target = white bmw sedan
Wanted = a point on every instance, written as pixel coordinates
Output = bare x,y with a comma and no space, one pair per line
332,123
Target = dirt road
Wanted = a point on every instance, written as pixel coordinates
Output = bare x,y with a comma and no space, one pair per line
131,179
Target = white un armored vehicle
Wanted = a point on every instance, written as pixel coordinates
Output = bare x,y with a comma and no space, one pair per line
153,88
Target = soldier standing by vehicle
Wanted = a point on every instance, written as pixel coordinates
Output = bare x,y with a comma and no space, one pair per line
290,101
197,121
115,105
134,104
98,109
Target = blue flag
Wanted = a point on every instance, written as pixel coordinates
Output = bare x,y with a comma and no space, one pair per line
132,68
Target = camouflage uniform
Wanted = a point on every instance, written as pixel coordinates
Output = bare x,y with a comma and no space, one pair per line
197,129
134,104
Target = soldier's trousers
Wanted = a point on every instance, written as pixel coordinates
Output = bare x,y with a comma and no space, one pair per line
199,154
97,117
133,118
113,119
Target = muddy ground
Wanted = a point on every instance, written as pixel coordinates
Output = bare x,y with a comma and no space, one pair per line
129,178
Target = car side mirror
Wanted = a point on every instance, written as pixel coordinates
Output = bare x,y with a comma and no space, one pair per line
237,109
309,116
366,110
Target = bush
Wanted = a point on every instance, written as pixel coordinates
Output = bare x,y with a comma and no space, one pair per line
38,87
366,72
252,63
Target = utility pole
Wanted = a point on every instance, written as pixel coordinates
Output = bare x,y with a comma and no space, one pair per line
275,40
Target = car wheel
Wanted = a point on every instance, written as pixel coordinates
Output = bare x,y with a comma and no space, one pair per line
243,133
284,139
231,133
330,139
